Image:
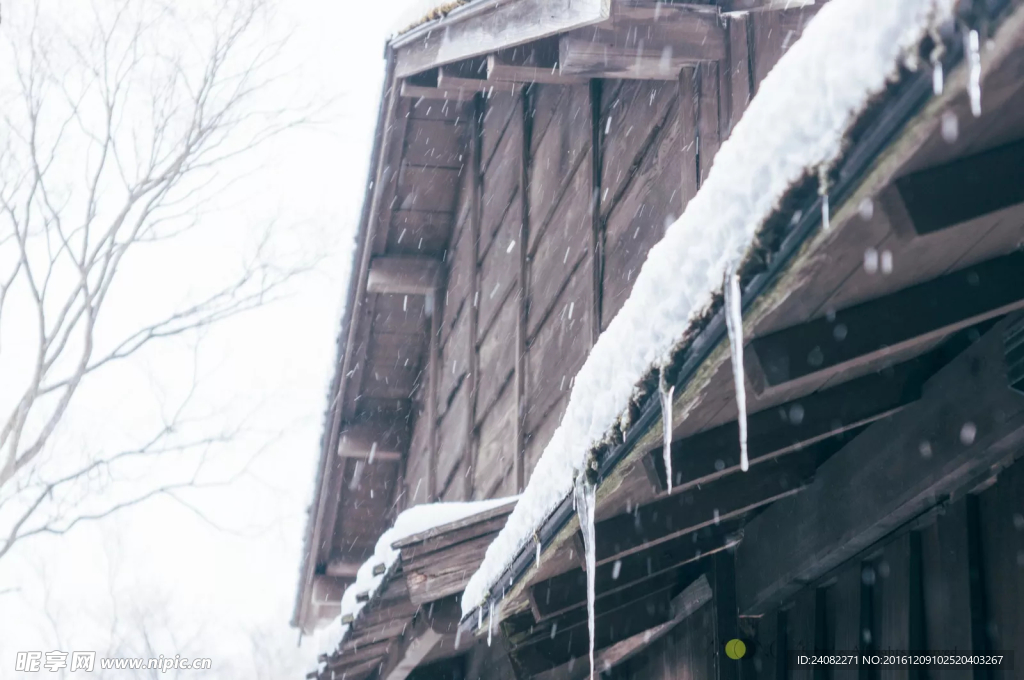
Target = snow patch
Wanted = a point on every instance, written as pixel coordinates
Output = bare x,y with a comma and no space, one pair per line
796,123
412,521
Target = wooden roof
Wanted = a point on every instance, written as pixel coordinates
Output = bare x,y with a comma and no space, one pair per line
414,615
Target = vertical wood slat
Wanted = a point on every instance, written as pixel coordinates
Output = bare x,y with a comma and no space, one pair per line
740,90
597,243
433,349
473,308
726,613
976,586
689,98
709,136
946,596
522,302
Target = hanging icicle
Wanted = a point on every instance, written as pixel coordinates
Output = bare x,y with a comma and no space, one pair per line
973,50
665,392
536,541
938,77
490,624
823,192
585,493
734,324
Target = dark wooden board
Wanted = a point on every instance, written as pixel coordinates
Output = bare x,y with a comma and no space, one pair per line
454,365
499,270
637,222
497,451
560,248
558,348
497,357
426,188
436,143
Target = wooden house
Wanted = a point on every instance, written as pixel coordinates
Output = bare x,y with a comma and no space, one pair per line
528,156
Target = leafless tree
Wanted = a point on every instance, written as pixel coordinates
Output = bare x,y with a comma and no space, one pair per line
121,122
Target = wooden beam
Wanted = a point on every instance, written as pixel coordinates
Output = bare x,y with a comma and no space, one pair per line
342,568
481,28
961,191
791,426
328,589
569,590
536,62
693,597
967,421
452,78
354,657
430,626
694,509
522,295
404,275
650,50
372,442
433,379
880,327
762,5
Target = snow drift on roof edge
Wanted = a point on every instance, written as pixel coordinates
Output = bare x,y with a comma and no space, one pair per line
795,124
416,519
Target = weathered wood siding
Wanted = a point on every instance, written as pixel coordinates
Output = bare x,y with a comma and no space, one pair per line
657,141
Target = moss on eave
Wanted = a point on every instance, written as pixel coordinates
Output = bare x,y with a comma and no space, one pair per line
439,12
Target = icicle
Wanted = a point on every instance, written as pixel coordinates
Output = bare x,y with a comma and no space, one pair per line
974,71
823,192
666,391
734,323
937,79
490,624
479,617
536,540
586,496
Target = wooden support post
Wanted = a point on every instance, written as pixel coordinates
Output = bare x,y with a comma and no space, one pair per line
433,383
522,295
597,233
727,625
472,379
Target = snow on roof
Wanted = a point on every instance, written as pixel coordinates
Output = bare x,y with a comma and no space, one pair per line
421,11
415,520
796,124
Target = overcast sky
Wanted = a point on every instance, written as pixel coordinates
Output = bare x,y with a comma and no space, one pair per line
221,582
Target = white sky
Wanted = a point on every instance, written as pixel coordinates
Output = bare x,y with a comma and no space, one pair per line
203,591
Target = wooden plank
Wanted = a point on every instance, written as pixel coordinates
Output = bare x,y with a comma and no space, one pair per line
651,201
473,316
497,354
762,5
727,627
568,590
739,77
433,388
372,441
558,348
963,190
791,426
499,268
535,62
404,275
412,91
436,143
880,327
597,230
488,27
449,80
891,472
419,232
709,123
690,510
427,188
495,458
645,50
521,298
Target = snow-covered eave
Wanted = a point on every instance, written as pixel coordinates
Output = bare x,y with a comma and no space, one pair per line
610,433
420,521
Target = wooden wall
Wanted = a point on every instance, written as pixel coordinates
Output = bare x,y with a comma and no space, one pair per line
517,326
